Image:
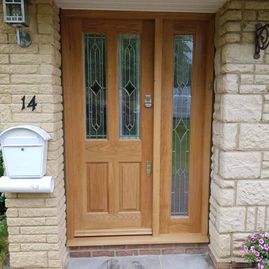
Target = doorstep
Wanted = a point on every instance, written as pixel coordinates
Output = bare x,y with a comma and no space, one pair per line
180,261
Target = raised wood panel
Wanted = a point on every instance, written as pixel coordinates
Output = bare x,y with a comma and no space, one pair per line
97,176
129,186
121,219
115,150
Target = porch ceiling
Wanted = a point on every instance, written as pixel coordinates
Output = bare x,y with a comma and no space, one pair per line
201,6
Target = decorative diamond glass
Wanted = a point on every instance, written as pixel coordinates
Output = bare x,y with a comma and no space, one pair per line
95,76
129,61
183,52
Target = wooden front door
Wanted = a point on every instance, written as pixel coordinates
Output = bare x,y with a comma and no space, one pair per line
108,77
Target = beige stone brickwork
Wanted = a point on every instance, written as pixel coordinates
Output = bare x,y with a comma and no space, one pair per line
36,222
239,202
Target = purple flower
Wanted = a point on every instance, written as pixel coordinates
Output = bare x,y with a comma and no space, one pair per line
256,253
261,241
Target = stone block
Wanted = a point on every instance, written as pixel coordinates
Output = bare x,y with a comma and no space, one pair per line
39,247
21,222
249,15
14,247
4,79
262,79
266,108
32,79
247,79
239,54
230,38
262,69
28,260
27,238
224,197
238,68
256,5
40,229
19,69
225,135
253,88
230,27
261,217
230,15
254,136
231,219
52,238
253,192
227,83
220,242
251,219
13,230
21,203
240,164
263,15
37,212
265,117
241,108
5,98
4,59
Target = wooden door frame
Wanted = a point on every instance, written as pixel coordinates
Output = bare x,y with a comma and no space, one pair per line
158,18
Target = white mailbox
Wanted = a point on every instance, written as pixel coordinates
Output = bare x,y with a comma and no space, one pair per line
24,150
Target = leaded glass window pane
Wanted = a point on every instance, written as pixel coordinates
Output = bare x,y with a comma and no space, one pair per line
183,52
95,76
129,49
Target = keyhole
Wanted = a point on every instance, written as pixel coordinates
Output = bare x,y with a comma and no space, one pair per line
22,149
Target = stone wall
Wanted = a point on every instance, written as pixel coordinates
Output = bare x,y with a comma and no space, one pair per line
36,222
240,161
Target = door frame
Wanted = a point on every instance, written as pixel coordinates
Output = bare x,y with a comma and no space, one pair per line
67,16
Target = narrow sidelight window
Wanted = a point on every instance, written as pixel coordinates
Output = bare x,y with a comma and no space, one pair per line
95,76
129,61
183,54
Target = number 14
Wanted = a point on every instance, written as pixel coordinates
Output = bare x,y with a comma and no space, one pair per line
31,104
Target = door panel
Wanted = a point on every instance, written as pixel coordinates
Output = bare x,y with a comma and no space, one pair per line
110,72
183,101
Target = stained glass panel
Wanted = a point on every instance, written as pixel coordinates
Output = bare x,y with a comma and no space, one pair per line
183,52
129,86
95,76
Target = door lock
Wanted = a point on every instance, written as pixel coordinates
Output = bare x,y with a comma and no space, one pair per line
148,168
148,101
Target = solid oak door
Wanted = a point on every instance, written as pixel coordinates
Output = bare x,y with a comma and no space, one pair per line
108,128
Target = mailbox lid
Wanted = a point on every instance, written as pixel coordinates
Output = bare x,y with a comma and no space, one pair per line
23,131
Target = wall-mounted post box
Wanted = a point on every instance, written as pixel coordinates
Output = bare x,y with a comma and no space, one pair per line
24,150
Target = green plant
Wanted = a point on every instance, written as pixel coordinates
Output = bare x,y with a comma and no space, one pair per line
1,165
3,225
256,249
2,196
3,242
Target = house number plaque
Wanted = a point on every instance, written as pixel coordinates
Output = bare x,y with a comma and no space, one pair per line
31,104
